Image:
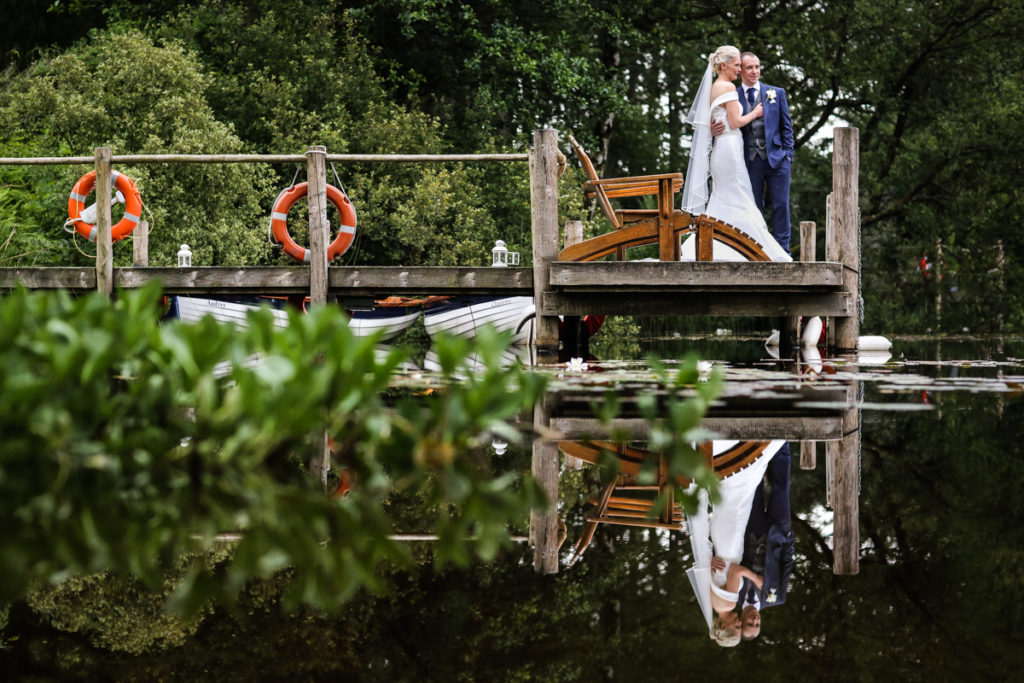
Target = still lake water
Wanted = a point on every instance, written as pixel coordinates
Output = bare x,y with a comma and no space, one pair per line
937,596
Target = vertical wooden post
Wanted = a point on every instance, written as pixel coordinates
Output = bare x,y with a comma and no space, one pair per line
938,284
104,245
140,245
844,485
808,241
668,240
544,212
705,239
544,523
573,235
808,253
316,175
844,241
808,455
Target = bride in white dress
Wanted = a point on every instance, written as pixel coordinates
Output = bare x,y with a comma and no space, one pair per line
721,158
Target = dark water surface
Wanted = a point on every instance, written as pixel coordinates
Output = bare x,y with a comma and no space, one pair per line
937,595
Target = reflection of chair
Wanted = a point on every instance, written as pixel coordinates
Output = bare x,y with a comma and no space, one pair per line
627,503
663,226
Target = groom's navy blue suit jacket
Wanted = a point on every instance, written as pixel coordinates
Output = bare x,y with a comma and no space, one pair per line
770,521
778,128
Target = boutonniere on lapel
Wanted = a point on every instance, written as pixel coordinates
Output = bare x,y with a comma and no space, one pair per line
771,96
772,596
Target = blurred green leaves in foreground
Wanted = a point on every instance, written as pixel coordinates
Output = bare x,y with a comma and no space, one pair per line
131,447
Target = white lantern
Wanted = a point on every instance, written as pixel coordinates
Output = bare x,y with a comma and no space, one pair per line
499,446
184,257
501,257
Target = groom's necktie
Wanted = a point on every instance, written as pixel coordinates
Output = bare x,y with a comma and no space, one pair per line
750,99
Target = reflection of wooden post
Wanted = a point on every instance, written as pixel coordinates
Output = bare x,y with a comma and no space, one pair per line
544,523
844,241
140,245
573,235
544,212
316,175
104,245
808,455
844,487
1000,289
938,284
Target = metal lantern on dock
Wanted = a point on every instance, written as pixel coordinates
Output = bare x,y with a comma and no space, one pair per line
184,257
501,257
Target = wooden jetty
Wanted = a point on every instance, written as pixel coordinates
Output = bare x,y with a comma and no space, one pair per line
829,288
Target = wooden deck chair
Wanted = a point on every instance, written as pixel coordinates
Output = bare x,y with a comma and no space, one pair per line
632,227
663,226
627,503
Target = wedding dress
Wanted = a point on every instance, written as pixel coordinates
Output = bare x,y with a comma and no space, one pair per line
732,199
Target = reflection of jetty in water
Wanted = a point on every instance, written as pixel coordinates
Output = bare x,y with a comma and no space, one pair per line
806,414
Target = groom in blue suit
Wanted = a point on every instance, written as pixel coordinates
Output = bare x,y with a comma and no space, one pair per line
768,545
767,144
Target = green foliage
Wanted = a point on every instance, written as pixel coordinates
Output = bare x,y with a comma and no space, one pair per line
116,613
939,135
123,91
33,204
126,445
285,84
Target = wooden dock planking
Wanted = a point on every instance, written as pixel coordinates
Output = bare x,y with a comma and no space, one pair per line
576,288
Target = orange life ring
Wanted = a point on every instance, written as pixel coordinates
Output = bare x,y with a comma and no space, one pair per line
132,206
279,222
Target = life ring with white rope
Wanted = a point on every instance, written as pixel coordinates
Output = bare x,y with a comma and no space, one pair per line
279,222
132,206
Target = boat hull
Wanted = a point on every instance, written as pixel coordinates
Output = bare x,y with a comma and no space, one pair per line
389,321
464,317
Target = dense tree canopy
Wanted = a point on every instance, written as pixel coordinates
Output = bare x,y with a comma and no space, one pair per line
928,85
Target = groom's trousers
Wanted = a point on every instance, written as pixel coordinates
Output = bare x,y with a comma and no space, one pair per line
776,181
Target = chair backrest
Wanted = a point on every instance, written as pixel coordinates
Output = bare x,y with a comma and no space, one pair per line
599,192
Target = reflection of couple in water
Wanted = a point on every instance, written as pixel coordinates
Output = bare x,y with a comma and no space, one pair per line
743,549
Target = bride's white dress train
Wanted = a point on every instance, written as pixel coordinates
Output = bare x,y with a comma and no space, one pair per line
732,199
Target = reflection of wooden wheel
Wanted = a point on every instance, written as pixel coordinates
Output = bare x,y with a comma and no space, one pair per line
626,503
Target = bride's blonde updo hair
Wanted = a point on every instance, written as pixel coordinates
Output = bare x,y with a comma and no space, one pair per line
722,56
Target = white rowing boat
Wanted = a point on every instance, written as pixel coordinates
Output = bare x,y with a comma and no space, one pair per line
389,320
464,316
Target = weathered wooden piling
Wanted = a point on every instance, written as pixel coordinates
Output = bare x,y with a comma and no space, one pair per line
316,177
842,233
104,243
140,245
544,213
319,237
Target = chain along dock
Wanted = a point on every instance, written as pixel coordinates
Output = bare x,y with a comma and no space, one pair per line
828,288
